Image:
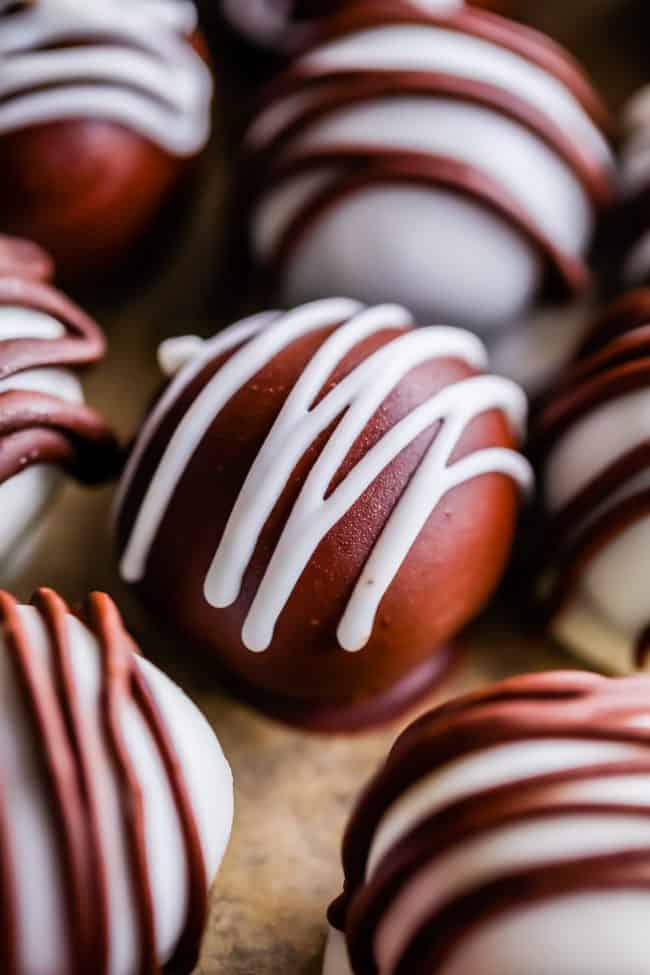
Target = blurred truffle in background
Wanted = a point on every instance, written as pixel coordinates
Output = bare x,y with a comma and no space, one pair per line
102,108
46,430
456,162
591,443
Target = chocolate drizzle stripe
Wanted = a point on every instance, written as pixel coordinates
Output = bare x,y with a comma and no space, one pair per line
344,89
59,767
368,167
467,732
445,832
54,710
594,494
54,612
442,933
82,344
581,551
116,691
629,313
627,348
119,660
574,404
573,706
522,41
186,955
36,427
8,905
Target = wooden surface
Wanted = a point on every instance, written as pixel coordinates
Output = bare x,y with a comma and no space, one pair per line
293,792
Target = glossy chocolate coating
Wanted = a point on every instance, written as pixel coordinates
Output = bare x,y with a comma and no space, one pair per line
448,575
86,183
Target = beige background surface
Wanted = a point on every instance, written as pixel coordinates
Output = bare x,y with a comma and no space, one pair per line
293,792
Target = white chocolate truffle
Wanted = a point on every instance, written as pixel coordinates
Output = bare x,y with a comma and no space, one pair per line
45,428
592,445
452,162
506,833
116,799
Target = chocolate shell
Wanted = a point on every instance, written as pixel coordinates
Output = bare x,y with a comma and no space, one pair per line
507,832
115,799
319,501
102,106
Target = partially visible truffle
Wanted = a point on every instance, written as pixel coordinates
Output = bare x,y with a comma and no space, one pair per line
102,106
591,442
46,431
115,799
631,229
507,832
454,162
320,500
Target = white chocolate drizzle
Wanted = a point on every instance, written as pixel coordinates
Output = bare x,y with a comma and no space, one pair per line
354,400
123,62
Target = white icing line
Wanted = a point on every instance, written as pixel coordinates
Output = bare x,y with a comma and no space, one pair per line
355,399
237,371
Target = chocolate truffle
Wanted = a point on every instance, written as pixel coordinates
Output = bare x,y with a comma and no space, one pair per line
320,499
45,428
591,443
116,800
506,833
102,105
452,162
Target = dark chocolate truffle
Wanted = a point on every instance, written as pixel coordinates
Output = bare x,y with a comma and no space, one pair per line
453,162
320,499
101,107
592,444
45,428
507,833
115,799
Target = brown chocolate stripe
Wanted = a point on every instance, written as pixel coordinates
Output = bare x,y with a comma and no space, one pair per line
512,711
83,342
615,362
339,90
58,721
517,710
523,41
595,493
37,428
446,831
439,936
630,312
367,167
573,404
574,558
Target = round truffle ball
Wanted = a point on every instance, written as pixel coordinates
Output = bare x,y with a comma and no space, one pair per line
319,500
506,833
591,441
630,235
46,430
102,106
454,162
116,799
